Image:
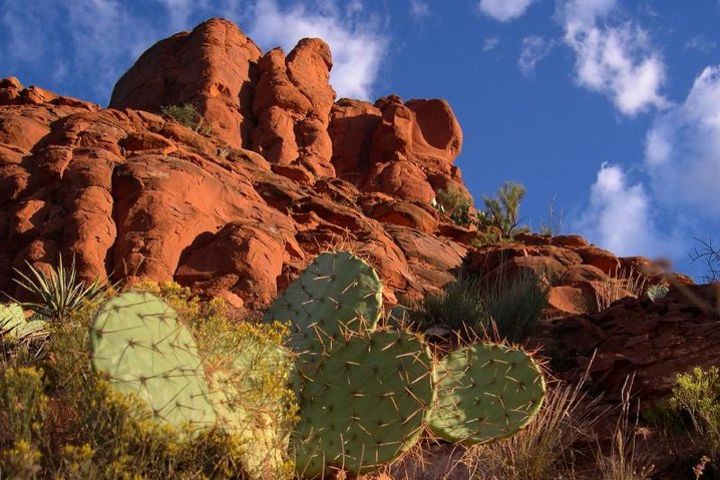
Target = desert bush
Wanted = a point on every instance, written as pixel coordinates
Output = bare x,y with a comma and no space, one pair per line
459,306
503,210
185,114
83,428
515,303
507,306
695,406
455,204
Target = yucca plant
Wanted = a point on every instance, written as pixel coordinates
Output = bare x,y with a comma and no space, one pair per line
58,293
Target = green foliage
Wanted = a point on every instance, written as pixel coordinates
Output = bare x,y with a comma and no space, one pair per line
454,203
515,303
459,306
336,292
185,114
510,305
503,210
695,404
58,293
485,392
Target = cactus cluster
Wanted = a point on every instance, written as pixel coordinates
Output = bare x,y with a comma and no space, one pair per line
364,404
366,393
336,293
485,392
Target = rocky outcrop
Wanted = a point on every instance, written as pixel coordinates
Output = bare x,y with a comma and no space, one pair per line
292,105
581,278
652,340
131,194
213,68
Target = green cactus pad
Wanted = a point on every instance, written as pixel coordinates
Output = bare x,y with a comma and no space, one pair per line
137,341
485,392
15,328
12,318
365,404
332,294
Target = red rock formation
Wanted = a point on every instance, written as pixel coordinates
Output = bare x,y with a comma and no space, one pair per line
211,67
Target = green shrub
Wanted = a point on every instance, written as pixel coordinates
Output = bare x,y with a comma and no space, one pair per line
503,210
185,114
455,204
458,306
509,304
695,403
515,303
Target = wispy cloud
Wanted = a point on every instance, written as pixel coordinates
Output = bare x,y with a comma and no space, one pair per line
491,43
534,49
701,44
504,10
357,45
617,60
419,9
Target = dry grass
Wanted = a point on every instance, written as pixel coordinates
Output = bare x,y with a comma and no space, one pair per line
545,449
625,459
618,285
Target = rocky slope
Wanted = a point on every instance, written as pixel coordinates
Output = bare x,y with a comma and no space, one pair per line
281,171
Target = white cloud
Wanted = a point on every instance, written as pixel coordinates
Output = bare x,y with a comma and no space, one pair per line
534,49
682,150
619,217
491,43
618,60
504,10
419,9
357,46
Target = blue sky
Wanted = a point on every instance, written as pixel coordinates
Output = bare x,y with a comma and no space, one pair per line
610,107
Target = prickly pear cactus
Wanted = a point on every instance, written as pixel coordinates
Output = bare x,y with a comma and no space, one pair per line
364,405
137,341
14,326
485,392
334,293
11,319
